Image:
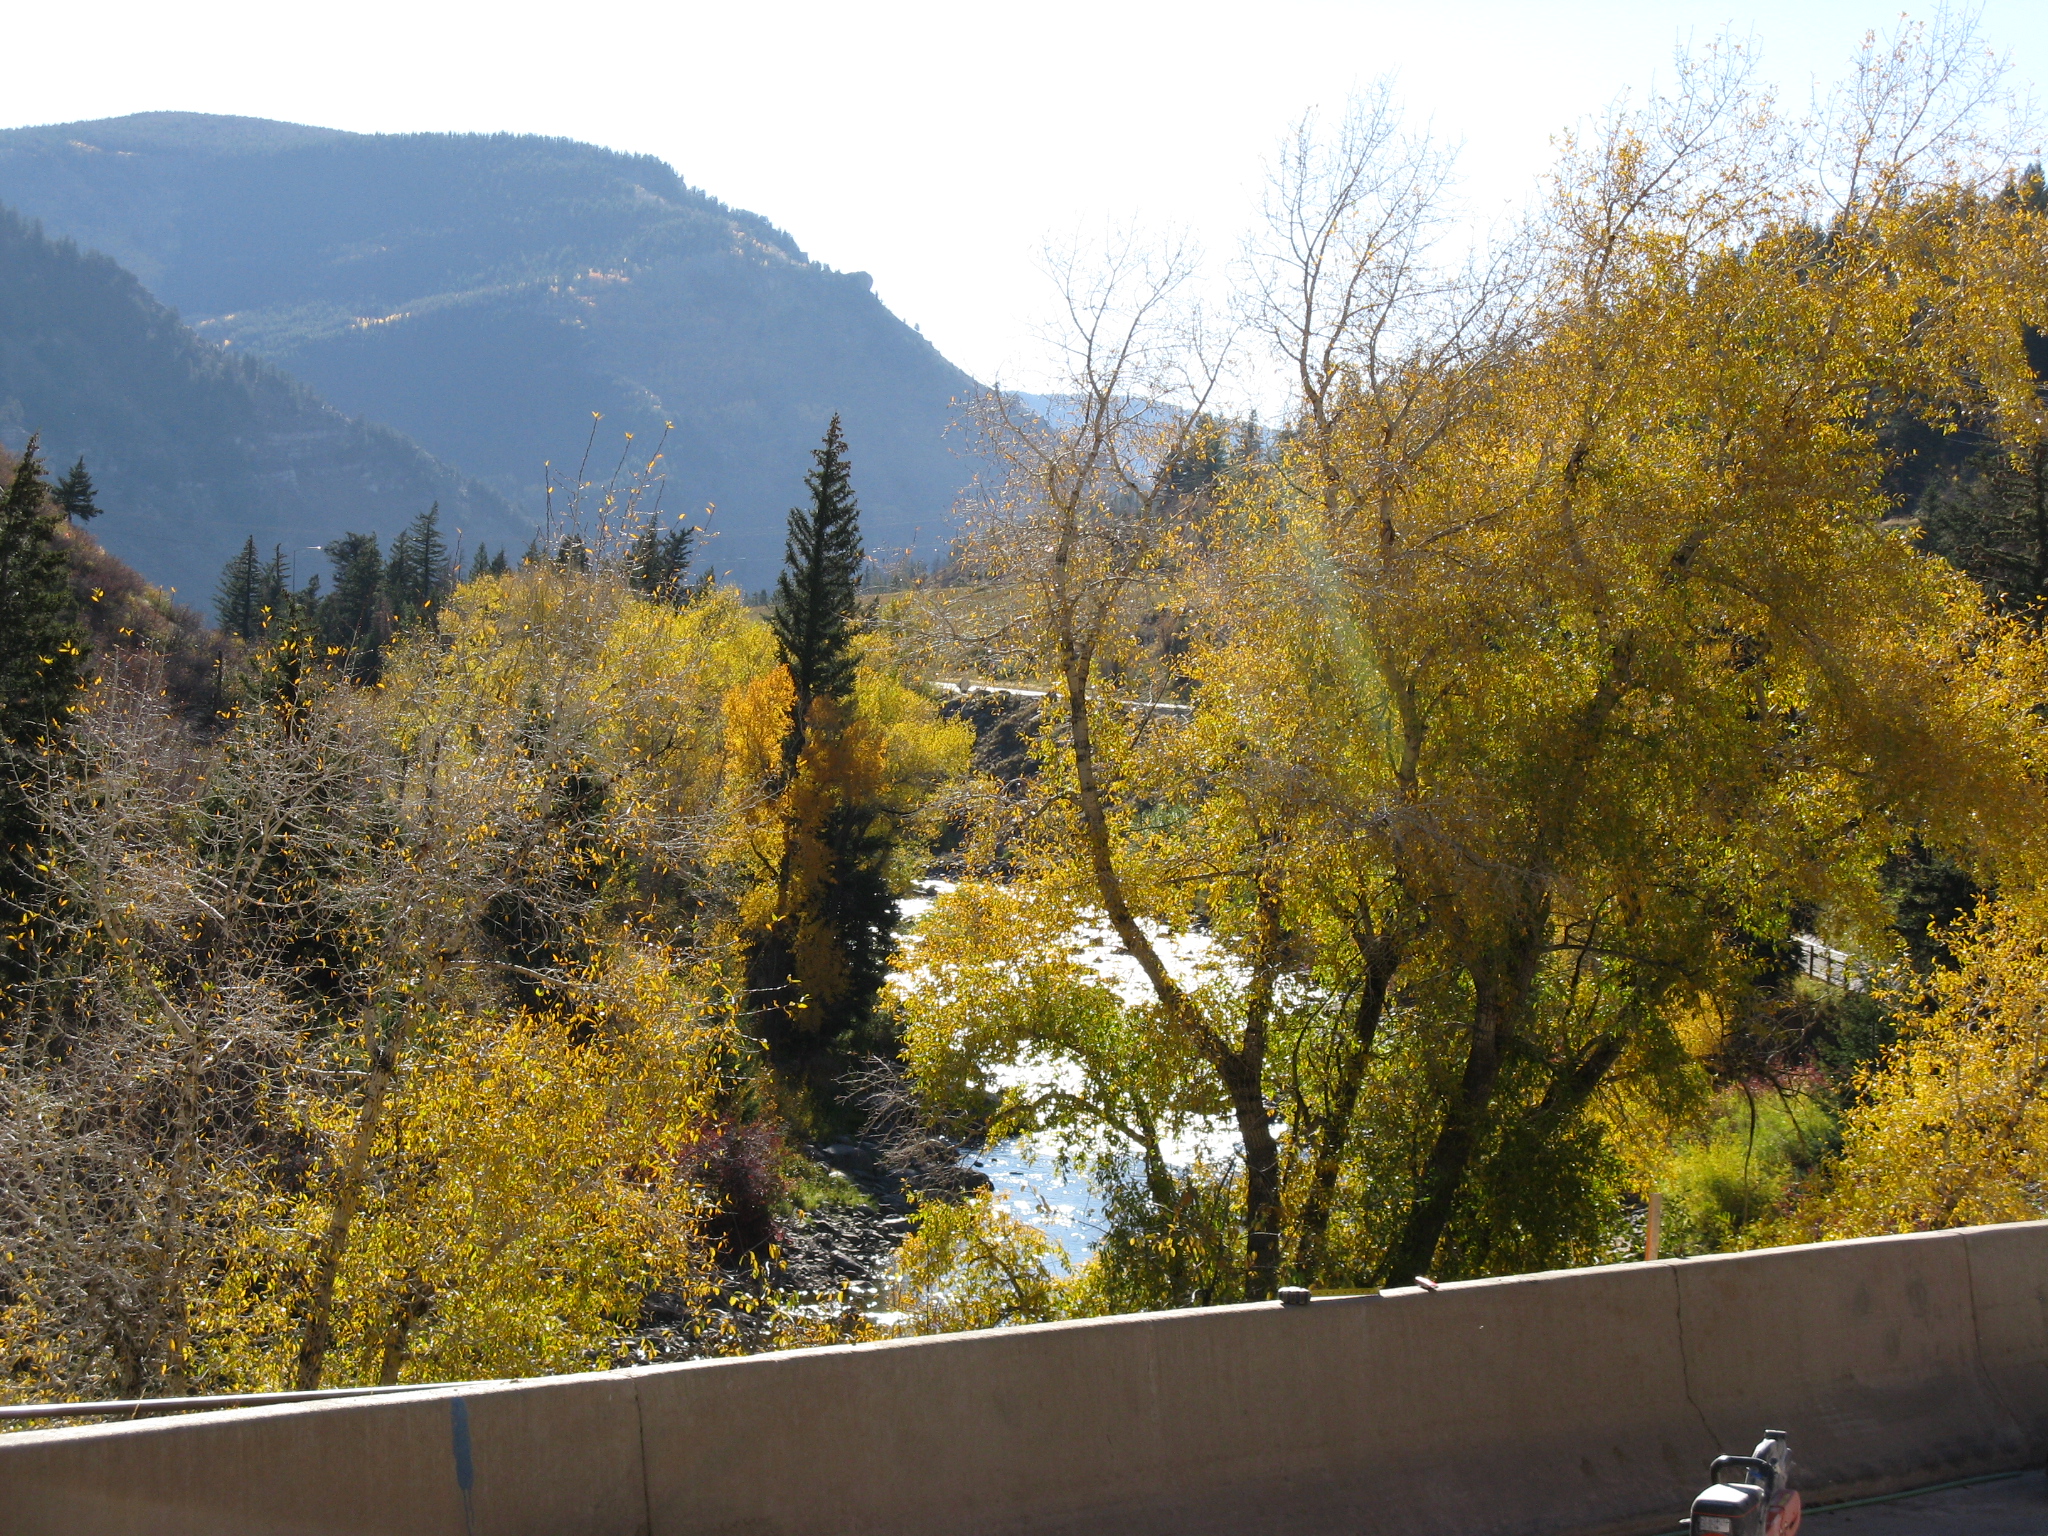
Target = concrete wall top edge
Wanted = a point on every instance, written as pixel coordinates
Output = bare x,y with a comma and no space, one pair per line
1188,1317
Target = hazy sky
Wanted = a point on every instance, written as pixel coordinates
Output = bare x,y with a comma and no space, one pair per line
935,146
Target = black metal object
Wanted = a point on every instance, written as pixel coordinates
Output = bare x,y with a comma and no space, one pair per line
1749,1495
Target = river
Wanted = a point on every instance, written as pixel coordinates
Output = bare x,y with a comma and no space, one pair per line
1024,1171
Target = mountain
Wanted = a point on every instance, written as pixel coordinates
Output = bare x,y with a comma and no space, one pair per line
192,446
486,293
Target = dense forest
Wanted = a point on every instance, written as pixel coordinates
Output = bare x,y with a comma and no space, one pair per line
1592,747
484,293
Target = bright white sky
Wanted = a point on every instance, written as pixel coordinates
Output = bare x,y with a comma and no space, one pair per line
936,146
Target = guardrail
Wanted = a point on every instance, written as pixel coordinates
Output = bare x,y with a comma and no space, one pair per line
967,690
1835,967
1584,1402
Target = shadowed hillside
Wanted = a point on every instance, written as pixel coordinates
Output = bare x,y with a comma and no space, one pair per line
193,446
485,294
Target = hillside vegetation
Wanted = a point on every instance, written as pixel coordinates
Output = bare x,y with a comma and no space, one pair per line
485,293
366,1030
195,447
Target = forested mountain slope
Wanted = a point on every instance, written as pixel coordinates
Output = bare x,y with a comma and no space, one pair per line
485,294
194,447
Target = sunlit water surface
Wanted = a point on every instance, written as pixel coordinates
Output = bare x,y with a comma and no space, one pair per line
1024,1171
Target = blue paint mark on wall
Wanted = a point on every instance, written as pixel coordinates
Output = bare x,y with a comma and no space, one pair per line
465,1466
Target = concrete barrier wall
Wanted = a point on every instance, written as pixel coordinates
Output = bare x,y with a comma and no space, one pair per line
1585,1402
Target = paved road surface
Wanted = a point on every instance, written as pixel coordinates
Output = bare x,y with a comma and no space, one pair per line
2013,1506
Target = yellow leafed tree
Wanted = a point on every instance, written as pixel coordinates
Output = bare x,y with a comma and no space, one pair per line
1951,1127
1556,654
525,1190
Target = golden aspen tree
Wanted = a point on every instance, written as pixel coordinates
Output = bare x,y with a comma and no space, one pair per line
1947,1129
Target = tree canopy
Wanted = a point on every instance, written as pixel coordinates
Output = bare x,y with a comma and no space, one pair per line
1561,658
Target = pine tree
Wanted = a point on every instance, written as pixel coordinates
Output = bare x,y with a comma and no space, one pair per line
417,575
42,659
1203,456
480,563
74,494
1251,443
817,610
273,588
235,601
815,969
1992,522
42,666
662,560
355,619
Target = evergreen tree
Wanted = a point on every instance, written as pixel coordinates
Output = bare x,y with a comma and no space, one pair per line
75,495
235,601
1251,442
499,565
42,665
1200,461
417,574
433,574
480,563
42,656
814,970
355,620
817,609
662,560
273,588
1992,522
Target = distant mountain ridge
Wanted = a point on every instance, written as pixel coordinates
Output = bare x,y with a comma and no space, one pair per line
194,448
485,293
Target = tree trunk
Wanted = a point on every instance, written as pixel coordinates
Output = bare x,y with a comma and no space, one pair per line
1333,1137
1444,1173
1243,1076
415,1296
316,1338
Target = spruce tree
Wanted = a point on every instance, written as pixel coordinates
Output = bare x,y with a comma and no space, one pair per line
74,494
1992,522
42,666
832,883
662,560
355,617
417,575
235,601
817,609
42,657
273,588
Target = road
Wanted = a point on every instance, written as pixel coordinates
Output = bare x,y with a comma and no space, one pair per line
2013,1506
